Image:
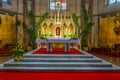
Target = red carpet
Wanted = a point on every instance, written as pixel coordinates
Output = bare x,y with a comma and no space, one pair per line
57,51
59,76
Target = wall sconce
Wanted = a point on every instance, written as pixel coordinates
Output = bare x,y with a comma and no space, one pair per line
117,25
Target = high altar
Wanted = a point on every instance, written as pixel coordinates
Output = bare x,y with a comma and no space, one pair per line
57,28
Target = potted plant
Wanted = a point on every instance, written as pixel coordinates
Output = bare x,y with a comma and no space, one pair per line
87,26
18,52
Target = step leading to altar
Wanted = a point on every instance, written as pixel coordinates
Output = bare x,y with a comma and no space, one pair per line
59,62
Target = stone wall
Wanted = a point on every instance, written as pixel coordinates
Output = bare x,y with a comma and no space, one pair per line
103,29
11,7
103,8
8,30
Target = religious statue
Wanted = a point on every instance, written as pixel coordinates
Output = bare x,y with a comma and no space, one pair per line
87,4
58,31
29,5
42,30
48,30
53,30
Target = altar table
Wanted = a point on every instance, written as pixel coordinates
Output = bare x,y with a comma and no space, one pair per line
49,42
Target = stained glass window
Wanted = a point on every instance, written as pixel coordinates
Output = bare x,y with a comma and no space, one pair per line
113,2
5,1
54,4
118,0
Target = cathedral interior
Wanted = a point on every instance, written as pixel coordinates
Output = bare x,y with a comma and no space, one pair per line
95,23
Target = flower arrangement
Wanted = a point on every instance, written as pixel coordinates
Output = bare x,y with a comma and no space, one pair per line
18,52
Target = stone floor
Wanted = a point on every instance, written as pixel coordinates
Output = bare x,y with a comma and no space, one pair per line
114,60
5,58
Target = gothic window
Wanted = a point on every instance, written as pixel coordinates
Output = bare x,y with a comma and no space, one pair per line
118,0
113,2
53,4
6,2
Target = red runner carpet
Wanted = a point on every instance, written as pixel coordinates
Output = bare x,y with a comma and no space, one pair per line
59,76
57,51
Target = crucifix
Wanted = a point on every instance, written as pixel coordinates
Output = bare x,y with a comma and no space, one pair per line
58,7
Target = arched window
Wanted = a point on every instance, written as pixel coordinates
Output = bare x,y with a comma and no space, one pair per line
53,4
118,0
113,2
5,1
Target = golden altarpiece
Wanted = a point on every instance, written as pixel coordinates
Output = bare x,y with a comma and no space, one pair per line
49,27
57,26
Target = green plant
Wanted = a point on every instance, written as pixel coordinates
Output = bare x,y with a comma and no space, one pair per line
65,36
87,26
51,35
18,52
34,26
75,20
73,36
